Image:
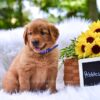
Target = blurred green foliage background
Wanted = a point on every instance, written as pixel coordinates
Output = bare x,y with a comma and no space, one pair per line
12,13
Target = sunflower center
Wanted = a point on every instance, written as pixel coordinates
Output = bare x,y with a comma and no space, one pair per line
90,39
97,30
95,49
83,48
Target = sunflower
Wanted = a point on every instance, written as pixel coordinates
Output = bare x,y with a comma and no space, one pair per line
88,37
81,37
95,27
95,49
82,49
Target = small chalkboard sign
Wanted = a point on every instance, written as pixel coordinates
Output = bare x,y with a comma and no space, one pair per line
89,71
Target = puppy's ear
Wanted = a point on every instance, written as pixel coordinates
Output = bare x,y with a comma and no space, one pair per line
53,32
25,35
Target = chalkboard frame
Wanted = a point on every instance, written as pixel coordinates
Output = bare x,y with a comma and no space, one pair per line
80,62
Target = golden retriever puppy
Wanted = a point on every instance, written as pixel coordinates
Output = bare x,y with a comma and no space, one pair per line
35,67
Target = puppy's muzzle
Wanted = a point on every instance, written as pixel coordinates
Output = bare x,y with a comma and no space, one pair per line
35,43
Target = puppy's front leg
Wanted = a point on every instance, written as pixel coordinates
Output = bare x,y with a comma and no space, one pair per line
24,81
52,79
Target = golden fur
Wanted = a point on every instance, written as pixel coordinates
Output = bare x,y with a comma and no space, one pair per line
31,70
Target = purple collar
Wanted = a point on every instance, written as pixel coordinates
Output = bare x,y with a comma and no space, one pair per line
48,50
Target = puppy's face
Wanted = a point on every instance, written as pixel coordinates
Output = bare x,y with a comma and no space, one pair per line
40,35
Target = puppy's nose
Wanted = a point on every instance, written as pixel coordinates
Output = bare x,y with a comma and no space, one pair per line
35,43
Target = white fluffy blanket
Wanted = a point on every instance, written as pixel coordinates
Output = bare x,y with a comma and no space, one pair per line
67,93
11,42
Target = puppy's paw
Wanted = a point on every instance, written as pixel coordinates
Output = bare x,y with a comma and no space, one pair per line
53,91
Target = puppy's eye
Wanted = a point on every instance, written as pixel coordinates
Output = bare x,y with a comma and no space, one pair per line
43,33
30,33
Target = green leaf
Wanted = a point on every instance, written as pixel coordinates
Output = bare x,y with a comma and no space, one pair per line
69,51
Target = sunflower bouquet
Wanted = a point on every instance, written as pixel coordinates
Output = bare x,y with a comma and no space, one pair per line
87,44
